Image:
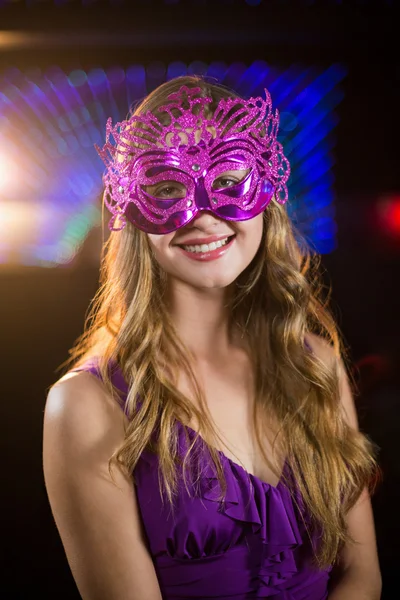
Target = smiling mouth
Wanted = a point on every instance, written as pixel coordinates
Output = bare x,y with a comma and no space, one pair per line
202,248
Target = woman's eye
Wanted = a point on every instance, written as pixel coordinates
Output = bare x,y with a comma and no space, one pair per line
169,191
224,182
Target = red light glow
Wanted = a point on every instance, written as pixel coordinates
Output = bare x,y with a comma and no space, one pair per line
389,213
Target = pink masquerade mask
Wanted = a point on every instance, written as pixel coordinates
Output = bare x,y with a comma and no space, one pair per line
188,156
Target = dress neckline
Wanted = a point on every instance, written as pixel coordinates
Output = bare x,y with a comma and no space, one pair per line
236,465
123,388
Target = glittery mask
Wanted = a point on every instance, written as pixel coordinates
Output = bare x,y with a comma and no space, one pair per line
191,151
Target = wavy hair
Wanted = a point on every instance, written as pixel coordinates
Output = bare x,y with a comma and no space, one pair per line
277,300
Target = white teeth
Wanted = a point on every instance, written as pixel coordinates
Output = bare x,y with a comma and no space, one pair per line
206,247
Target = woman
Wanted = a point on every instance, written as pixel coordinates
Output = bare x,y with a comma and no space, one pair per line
235,468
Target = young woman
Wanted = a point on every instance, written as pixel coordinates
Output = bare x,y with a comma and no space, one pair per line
204,442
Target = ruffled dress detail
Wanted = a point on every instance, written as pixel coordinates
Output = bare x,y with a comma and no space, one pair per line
252,545
270,513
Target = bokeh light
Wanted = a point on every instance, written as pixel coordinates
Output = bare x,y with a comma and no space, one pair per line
389,214
51,119
10,176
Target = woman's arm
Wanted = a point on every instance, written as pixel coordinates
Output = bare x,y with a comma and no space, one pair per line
357,575
98,521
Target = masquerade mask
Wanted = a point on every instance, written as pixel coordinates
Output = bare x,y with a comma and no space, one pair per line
183,158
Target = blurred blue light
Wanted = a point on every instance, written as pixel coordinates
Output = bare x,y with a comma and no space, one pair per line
81,184
325,246
197,67
134,72
63,125
12,93
56,119
85,114
324,228
315,162
233,74
73,119
317,201
309,129
84,138
318,134
62,146
136,84
252,78
94,134
216,71
97,77
96,111
176,69
288,121
77,78
72,142
314,168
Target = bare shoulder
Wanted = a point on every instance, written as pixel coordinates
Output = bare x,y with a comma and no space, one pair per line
97,516
77,391
79,403
321,348
359,561
325,352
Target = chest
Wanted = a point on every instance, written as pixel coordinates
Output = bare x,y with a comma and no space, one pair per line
229,395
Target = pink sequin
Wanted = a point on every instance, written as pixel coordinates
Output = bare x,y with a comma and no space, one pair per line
193,151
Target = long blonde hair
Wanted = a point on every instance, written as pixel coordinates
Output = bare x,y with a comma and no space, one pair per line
277,300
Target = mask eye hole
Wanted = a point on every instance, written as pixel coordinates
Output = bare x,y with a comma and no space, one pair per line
166,190
229,179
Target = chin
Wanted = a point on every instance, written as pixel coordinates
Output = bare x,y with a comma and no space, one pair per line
209,281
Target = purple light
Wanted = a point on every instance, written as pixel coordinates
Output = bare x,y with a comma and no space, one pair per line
97,77
50,121
116,75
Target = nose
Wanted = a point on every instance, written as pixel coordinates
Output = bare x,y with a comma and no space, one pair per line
201,197
205,219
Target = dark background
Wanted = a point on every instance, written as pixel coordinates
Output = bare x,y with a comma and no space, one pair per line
42,310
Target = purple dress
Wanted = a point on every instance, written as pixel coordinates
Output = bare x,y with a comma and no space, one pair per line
254,546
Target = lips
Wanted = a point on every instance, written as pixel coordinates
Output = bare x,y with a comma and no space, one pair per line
204,240
209,255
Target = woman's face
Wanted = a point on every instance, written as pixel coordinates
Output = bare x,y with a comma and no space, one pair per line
207,266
